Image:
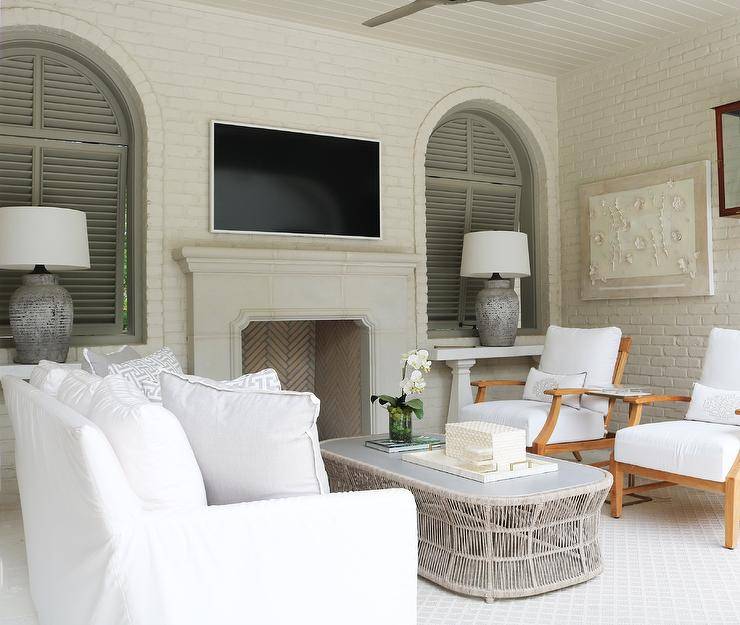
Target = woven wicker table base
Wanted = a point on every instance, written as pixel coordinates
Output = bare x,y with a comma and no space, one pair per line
489,546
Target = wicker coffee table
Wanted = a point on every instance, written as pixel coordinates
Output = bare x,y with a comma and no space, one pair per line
513,538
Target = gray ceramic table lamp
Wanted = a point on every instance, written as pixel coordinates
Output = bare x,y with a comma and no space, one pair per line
39,239
499,256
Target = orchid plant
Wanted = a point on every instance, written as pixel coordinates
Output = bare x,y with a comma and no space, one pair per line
414,365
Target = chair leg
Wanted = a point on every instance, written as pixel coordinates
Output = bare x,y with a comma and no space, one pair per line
731,513
617,494
577,455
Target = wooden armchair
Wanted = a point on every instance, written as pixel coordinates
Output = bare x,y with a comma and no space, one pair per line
694,453
541,444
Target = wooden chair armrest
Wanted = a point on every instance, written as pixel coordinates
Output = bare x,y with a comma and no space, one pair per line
562,392
487,383
483,385
651,399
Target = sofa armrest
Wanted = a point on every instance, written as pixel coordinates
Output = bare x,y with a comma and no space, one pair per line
652,399
564,392
330,559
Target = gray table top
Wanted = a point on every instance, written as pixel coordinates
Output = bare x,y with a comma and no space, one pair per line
568,476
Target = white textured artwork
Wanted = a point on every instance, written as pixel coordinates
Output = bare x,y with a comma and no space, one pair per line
648,235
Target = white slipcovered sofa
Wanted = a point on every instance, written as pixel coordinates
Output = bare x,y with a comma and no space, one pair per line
97,557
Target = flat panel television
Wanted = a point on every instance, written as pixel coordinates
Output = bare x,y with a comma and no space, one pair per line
275,181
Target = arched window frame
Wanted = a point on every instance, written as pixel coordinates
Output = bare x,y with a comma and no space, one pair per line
518,182
129,141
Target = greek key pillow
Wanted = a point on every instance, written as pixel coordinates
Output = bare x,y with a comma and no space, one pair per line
144,372
540,381
714,405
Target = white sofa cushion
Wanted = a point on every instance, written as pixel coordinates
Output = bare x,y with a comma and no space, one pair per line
77,390
593,350
150,444
47,376
714,405
722,361
265,380
540,381
573,424
96,363
691,448
249,444
144,372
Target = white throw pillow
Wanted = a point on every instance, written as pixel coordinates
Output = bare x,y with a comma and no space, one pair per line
144,372
714,405
77,390
540,381
98,364
47,376
250,445
265,380
150,444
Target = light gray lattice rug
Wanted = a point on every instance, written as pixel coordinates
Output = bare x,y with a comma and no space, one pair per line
665,565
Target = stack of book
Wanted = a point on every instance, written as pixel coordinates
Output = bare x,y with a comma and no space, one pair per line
418,443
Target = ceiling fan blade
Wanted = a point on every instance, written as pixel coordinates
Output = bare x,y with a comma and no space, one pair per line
394,14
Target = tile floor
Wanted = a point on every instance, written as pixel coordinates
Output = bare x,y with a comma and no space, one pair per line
665,565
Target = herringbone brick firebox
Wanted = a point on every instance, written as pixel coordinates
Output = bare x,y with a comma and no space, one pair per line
324,357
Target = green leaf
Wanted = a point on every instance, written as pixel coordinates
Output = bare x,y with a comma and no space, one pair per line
417,406
384,399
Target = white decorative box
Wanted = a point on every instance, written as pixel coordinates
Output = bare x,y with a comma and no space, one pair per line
486,446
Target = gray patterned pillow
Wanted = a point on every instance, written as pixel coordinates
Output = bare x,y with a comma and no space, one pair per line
96,363
144,372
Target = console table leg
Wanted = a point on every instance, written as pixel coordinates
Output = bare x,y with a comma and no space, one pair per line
461,394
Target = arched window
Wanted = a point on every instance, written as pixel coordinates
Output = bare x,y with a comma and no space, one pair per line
67,139
478,177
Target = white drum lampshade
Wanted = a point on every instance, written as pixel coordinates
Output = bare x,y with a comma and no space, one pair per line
42,238
493,251
498,256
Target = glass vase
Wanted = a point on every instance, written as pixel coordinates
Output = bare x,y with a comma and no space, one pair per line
399,424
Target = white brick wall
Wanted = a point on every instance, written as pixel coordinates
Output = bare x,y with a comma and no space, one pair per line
191,64
645,111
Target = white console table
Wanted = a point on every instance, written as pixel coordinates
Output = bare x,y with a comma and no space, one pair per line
461,359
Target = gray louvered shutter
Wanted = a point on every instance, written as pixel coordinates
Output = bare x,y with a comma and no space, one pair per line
447,208
16,90
447,150
71,101
467,163
91,181
62,144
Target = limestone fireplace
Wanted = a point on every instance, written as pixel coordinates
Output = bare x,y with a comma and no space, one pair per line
233,289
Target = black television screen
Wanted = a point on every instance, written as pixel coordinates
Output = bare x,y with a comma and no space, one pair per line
269,180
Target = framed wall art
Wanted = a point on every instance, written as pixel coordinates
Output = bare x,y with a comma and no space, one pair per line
648,235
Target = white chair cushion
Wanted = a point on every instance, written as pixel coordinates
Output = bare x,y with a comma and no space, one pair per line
540,381
144,372
573,350
150,444
722,360
77,390
249,444
47,376
691,448
265,380
714,405
573,424
96,363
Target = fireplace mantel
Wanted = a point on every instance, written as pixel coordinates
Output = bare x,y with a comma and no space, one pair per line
231,287
196,259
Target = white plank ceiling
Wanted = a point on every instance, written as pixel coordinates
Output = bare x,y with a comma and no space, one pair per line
552,37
